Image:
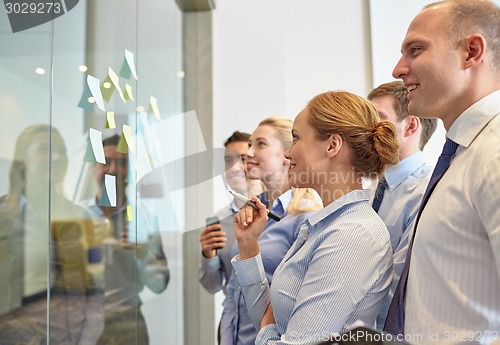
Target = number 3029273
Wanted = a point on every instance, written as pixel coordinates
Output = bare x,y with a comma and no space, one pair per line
33,7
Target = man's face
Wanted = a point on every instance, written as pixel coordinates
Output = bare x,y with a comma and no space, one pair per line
234,160
116,165
431,67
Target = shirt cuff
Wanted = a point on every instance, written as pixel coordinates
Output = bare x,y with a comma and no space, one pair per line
266,333
250,271
210,264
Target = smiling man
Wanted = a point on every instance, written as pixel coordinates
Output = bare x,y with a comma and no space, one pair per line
449,290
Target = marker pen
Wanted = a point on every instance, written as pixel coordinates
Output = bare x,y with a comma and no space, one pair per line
252,204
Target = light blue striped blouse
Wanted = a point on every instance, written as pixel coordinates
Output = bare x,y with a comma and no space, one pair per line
338,271
236,326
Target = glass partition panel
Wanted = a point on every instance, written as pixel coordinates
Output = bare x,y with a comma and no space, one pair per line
90,242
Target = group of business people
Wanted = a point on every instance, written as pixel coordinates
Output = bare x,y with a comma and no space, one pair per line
419,256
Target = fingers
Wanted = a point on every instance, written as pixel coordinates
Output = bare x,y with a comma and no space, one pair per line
261,207
245,217
212,238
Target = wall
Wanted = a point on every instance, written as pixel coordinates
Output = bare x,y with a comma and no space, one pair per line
271,57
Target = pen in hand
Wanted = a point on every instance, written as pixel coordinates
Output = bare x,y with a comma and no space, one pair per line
250,203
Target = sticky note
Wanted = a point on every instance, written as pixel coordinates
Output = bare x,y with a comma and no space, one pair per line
128,66
95,150
84,100
153,107
128,94
109,191
110,119
130,213
94,87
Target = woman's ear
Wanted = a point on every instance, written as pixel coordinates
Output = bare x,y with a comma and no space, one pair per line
335,143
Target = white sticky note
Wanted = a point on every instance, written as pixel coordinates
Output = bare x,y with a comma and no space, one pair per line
110,183
129,56
96,142
95,88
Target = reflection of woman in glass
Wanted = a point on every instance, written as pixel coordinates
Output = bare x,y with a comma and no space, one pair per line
30,261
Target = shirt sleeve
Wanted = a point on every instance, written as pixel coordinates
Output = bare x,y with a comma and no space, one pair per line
254,285
211,274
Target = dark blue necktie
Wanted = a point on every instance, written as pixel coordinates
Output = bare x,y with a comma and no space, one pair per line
379,194
396,315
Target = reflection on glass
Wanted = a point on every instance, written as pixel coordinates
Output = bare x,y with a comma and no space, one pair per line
130,258
42,247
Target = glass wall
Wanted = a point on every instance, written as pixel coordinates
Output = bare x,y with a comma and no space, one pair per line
91,107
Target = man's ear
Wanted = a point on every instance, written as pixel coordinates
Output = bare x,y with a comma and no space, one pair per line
412,125
475,50
334,143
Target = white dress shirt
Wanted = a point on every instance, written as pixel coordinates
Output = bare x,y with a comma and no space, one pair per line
337,272
453,291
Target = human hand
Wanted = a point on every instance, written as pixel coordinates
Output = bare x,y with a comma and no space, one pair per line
248,225
212,238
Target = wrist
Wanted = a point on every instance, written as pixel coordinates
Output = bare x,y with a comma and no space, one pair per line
209,254
248,249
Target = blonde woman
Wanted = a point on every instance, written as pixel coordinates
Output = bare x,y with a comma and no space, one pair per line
340,268
266,161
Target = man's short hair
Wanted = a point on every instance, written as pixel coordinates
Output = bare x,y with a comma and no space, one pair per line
398,91
474,16
237,136
111,141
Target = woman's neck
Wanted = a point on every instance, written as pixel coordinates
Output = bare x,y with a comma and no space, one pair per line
330,192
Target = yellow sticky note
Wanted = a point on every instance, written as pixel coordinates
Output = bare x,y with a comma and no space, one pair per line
110,119
107,89
130,213
149,160
153,107
116,82
127,133
128,93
